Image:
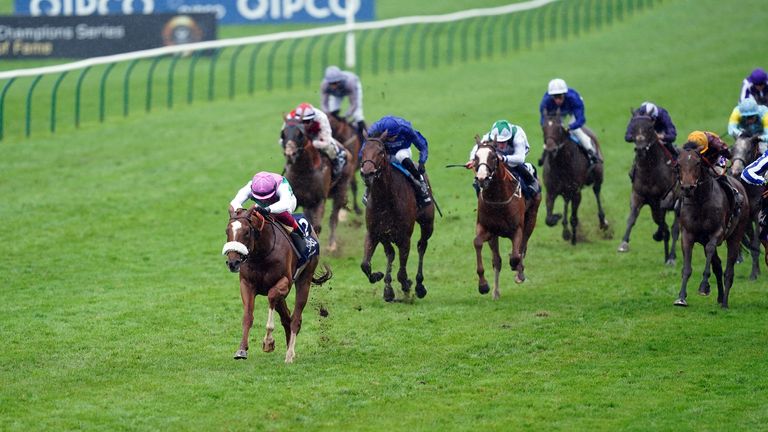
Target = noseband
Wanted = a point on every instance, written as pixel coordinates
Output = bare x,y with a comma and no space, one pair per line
236,245
376,167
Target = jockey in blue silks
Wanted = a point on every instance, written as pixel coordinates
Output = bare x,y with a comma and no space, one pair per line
756,174
400,136
570,104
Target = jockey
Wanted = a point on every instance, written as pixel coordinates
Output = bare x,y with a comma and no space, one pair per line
400,136
755,174
715,153
335,86
273,195
755,85
662,124
318,130
512,143
749,119
570,104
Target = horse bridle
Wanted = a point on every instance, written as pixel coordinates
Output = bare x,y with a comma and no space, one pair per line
491,170
376,168
300,127
753,149
653,139
558,144
251,230
699,180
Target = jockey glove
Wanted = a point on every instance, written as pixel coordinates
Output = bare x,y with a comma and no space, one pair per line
263,210
422,168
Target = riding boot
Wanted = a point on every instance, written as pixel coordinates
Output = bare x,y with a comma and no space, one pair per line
736,197
532,185
365,197
339,163
672,150
420,184
300,241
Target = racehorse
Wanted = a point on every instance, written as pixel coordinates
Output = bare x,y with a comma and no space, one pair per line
654,182
309,174
344,133
263,255
389,218
502,211
566,171
745,150
706,217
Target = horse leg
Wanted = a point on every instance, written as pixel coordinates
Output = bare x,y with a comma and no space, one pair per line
733,248
530,222
302,295
672,257
575,215
425,229
566,232
353,187
635,204
248,296
339,201
516,257
551,219
389,251
765,250
368,248
404,250
754,247
600,213
686,245
493,243
710,250
662,232
276,294
481,237
717,269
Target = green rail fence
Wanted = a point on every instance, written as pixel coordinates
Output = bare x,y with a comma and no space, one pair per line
467,40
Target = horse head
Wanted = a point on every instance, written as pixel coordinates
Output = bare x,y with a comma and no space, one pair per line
691,169
294,139
374,158
641,130
555,135
744,152
243,230
486,163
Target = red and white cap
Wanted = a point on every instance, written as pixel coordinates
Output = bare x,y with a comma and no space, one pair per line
305,111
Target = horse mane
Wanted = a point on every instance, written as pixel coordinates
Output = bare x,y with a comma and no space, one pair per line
690,146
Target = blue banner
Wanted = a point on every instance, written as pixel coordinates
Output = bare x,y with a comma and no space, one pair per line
227,11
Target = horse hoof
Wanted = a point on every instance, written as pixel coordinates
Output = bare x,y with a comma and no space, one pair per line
670,262
406,287
753,276
241,355
421,291
552,220
496,295
332,247
289,356
484,288
268,345
389,295
681,302
566,235
658,236
623,247
704,290
358,210
520,278
375,277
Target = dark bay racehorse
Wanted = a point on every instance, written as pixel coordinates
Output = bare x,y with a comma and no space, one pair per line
566,171
389,218
309,173
262,253
745,151
502,211
654,182
706,218
344,133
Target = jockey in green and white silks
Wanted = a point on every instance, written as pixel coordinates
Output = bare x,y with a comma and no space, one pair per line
512,143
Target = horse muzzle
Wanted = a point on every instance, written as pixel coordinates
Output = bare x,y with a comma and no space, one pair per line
234,261
688,189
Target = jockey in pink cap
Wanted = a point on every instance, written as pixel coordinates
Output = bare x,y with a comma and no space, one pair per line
273,196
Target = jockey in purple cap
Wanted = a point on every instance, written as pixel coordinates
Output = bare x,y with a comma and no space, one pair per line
273,195
400,136
755,85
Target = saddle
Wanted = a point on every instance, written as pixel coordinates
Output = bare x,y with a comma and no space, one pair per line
313,244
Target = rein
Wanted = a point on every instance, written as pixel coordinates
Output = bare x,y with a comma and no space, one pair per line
506,175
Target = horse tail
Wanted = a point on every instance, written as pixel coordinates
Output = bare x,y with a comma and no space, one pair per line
323,278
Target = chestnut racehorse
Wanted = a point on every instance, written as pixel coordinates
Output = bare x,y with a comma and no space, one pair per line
263,255
502,211
309,174
344,133
389,218
706,218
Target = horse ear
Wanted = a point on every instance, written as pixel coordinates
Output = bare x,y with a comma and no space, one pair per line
365,134
232,212
477,139
631,111
384,135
